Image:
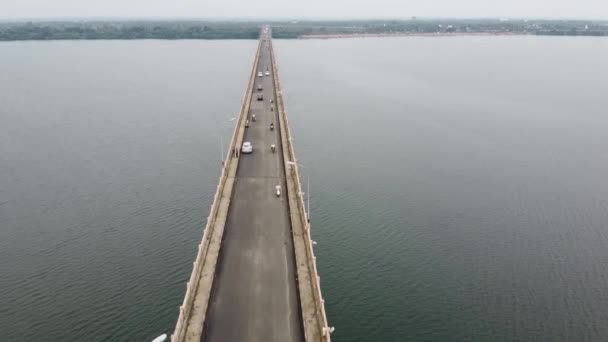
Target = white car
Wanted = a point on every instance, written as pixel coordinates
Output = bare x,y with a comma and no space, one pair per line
260,74
247,147
267,73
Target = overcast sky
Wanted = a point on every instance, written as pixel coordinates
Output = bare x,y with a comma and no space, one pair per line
305,8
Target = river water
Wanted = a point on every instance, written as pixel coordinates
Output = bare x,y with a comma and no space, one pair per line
457,184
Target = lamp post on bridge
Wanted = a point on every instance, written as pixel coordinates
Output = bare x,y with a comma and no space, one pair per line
160,338
327,330
293,163
222,154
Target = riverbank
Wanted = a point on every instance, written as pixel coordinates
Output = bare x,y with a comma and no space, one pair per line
410,34
211,30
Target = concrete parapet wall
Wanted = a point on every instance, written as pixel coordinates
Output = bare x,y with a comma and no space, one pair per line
222,195
315,321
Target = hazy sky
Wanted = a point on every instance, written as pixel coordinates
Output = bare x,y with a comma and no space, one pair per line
304,8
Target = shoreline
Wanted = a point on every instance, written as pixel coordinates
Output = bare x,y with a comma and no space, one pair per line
407,34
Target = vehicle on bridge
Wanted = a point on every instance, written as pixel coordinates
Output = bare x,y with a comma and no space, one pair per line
253,117
273,148
267,73
259,87
247,147
260,74
247,123
278,190
271,126
260,97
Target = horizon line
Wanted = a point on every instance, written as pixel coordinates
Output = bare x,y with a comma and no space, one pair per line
290,18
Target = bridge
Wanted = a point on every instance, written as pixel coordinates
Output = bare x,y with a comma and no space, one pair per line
255,276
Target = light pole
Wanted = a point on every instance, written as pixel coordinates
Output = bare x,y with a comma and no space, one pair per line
293,163
222,155
160,338
222,148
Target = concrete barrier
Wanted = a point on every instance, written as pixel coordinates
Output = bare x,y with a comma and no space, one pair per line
302,216
229,169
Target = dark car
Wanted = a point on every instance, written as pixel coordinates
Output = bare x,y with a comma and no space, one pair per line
260,97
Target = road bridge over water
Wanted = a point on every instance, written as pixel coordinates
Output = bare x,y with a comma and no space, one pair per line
254,276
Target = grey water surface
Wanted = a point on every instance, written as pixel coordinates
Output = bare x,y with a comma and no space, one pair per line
458,184
459,187
109,160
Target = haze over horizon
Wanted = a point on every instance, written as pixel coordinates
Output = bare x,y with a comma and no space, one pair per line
312,9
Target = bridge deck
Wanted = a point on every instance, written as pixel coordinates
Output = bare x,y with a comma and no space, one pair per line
254,296
254,277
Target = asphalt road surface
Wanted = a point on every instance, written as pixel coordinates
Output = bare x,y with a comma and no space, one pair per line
254,295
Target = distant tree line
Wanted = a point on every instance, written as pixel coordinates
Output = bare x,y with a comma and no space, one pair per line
297,29
183,29
128,30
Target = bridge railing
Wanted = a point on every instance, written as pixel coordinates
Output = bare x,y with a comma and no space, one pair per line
312,260
192,285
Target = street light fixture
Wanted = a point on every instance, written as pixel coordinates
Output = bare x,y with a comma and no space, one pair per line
222,140
160,338
307,186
